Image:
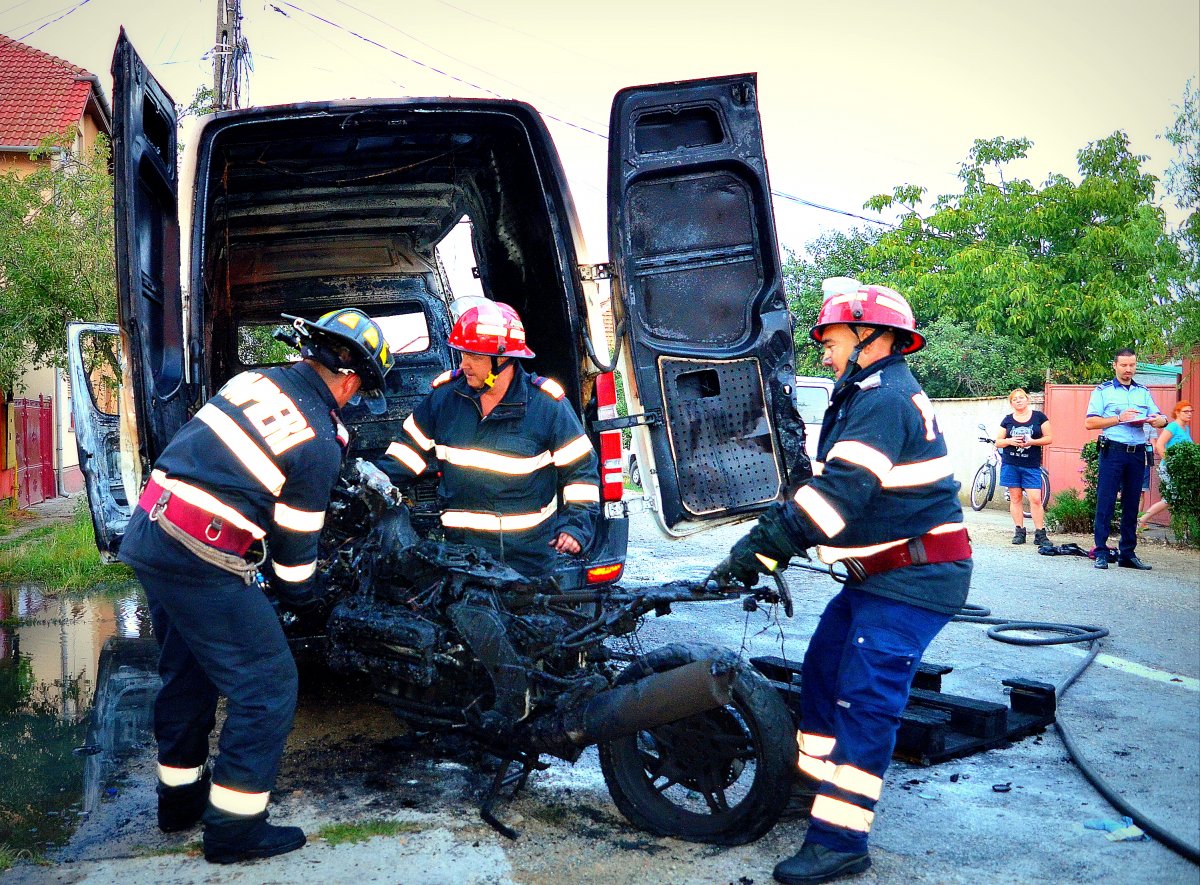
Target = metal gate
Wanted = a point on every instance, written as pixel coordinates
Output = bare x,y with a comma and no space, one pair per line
33,420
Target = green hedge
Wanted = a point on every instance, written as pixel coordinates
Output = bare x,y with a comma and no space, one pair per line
1182,491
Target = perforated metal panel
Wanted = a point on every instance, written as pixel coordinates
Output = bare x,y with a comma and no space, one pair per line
720,433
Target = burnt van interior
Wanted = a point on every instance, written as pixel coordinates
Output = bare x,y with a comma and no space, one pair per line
304,209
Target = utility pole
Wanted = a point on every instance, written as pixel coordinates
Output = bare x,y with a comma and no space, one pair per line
231,56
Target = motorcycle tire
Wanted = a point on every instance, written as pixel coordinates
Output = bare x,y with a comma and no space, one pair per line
749,745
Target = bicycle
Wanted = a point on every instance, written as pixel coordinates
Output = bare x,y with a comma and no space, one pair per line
983,487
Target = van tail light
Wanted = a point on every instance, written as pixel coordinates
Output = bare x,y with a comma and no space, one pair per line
605,574
612,471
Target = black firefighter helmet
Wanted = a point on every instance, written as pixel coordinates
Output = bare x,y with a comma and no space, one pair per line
348,340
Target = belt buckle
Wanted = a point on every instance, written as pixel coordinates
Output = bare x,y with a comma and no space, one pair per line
218,525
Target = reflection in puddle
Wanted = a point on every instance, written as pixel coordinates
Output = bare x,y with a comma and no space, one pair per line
50,656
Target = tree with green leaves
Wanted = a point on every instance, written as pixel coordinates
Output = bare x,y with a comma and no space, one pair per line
1071,269
831,254
1183,183
56,254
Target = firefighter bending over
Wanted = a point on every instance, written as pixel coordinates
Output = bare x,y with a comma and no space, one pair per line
886,506
518,474
249,476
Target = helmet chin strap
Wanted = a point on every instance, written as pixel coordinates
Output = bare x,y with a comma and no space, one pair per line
498,366
852,363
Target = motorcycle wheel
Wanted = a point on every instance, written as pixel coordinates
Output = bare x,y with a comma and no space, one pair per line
721,777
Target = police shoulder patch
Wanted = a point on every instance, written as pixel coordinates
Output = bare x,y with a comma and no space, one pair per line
444,377
550,386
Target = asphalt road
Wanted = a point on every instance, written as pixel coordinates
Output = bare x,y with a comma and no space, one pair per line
1135,714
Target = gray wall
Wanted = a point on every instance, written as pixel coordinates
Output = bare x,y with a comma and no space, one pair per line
959,420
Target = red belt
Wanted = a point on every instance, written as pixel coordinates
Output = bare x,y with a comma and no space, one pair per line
195,521
942,547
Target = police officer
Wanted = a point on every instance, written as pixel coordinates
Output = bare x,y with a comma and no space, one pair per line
1120,407
519,476
249,477
884,503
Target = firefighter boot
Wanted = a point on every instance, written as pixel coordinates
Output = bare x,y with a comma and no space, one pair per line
179,808
229,838
815,863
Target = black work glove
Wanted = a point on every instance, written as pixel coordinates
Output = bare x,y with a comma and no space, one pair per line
765,549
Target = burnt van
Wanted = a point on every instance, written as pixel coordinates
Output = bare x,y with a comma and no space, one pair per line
303,208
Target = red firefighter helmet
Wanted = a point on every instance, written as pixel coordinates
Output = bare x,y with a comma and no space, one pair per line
852,303
491,329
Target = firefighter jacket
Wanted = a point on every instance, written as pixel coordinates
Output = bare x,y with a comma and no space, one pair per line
883,477
263,455
510,482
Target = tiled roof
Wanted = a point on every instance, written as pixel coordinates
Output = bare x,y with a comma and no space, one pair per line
40,94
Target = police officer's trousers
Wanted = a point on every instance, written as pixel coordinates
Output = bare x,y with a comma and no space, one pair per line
220,637
857,673
1121,469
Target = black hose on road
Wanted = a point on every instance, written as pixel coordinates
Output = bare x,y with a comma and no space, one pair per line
1070,633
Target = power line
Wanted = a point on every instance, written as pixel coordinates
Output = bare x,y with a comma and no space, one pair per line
52,21
461,61
430,67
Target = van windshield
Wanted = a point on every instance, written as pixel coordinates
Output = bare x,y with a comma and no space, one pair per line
406,329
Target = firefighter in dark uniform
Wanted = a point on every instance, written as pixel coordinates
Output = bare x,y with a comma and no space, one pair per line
249,477
519,476
884,503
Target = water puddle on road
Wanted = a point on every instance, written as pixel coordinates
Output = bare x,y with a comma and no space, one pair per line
76,686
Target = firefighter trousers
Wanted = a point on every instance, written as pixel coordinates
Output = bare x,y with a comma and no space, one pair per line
857,674
220,637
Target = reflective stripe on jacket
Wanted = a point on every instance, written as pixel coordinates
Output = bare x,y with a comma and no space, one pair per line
884,477
263,454
511,481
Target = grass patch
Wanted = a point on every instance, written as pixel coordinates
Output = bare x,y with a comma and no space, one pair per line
11,517
62,558
361,831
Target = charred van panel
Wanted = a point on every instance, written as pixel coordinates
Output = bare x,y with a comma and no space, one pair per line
315,193
694,247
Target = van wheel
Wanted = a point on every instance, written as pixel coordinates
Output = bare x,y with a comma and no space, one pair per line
721,777
635,472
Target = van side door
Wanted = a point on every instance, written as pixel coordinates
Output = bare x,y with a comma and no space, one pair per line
710,357
149,298
93,359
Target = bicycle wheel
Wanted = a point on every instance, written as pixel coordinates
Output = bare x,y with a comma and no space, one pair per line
983,486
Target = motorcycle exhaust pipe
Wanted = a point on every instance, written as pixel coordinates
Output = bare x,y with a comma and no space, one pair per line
654,700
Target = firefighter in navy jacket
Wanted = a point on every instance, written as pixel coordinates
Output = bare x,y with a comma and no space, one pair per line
518,474
884,504
249,477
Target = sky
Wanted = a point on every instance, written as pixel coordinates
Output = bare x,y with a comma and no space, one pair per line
856,96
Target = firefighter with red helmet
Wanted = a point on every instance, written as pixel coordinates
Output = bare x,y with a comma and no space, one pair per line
519,476
245,483
884,505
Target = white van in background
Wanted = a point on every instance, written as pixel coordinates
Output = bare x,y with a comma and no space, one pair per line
812,395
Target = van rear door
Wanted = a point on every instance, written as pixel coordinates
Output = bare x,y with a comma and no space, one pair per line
710,352
150,302
94,361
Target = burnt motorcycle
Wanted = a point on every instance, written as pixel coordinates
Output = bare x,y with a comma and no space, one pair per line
693,742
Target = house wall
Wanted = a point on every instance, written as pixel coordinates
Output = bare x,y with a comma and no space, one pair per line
959,421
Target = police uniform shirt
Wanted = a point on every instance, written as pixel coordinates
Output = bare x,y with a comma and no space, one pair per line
263,455
1112,398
